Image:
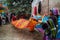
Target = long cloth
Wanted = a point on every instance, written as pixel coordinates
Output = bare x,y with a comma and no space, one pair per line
22,24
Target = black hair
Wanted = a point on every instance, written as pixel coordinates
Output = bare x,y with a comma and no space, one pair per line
51,12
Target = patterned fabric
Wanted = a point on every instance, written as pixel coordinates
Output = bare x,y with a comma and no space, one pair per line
20,24
32,24
52,28
54,18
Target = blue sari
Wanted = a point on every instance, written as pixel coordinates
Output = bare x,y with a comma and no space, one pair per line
45,19
58,33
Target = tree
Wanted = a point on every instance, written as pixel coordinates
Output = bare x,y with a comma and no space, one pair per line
20,5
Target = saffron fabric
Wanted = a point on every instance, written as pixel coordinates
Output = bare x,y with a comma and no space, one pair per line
20,24
32,24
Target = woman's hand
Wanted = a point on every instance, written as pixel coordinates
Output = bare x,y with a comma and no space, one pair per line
39,21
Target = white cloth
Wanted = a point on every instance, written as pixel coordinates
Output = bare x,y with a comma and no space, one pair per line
35,3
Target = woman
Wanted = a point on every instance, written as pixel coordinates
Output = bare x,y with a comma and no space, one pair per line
54,18
52,23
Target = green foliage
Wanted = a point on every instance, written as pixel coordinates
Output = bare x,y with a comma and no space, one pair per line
20,5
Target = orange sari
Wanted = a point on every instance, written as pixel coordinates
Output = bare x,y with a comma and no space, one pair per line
32,24
22,23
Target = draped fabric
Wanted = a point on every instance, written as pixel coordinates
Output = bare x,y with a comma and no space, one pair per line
39,7
22,24
35,10
58,32
32,24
